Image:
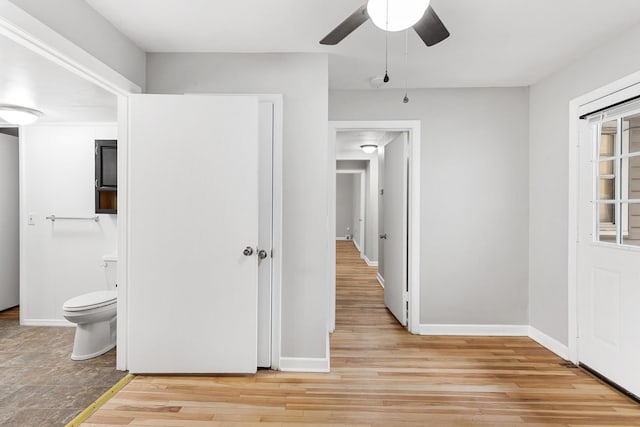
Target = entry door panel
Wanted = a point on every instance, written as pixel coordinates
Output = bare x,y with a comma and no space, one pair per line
394,202
608,280
193,208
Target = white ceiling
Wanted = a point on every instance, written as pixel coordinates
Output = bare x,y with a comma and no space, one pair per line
493,42
29,80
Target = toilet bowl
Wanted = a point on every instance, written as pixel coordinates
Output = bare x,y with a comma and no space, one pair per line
95,317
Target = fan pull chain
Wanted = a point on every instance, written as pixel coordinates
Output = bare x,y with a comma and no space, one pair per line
406,66
386,47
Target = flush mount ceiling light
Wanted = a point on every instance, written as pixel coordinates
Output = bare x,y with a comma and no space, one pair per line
369,148
396,15
17,115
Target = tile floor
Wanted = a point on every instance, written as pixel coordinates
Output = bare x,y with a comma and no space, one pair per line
39,383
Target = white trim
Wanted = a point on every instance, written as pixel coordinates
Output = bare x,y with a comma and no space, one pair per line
122,325
369,262
380,279
276,284
47,322
613,92
307,364
355,243
475,330
550,343
29,32
343,238
413,129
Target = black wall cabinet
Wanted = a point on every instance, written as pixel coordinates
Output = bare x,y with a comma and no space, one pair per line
106,176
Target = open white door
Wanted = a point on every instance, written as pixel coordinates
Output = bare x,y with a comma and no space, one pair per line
193,209
394,230
609,249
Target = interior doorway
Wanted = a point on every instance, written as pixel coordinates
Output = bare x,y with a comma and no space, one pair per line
409,176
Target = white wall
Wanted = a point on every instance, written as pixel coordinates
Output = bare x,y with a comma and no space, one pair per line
82,25
9,207
303,79
549,160
344,205
62,259
474,181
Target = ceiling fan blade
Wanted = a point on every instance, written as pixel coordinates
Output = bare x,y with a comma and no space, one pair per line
347,26
430,28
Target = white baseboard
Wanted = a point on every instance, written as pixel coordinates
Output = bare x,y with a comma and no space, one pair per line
307,364
356,244
47,322
475,330
369,262
341,238
550,343
381,280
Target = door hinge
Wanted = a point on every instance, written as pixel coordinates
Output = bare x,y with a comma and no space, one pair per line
382,191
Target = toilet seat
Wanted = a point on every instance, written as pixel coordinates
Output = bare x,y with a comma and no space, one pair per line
90,301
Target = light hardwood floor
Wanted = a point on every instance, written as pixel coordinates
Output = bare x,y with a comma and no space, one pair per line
383,376
10,314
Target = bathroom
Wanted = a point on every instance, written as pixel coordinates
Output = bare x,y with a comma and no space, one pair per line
58,235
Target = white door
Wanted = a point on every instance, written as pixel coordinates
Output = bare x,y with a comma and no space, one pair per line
609,249
193,209
394,230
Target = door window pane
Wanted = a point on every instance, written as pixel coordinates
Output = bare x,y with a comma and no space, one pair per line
631,233
606,222
608,135
631,134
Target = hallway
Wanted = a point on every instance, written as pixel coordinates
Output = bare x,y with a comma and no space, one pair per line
383,376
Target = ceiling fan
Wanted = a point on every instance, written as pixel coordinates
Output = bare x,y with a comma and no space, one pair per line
393,15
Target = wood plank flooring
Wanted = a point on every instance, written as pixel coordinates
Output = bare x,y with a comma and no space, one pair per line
10,313
383,376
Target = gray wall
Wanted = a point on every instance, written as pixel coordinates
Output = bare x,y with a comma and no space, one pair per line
9,205
549,159
303,79
344,204
474,192
81,24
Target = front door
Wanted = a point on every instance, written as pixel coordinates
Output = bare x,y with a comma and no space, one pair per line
193,231
609,248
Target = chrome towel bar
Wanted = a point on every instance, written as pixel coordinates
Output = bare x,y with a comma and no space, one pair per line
53,218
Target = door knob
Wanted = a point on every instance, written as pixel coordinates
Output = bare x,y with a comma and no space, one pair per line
262,254
383,236
248,251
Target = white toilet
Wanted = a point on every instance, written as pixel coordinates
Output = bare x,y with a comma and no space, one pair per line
95,316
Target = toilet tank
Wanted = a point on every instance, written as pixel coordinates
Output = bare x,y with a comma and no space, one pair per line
110,270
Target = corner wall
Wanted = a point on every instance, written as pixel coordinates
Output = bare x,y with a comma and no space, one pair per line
549,178
474,192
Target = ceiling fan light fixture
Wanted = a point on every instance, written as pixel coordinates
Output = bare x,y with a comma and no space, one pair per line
402,13
369,148
17,115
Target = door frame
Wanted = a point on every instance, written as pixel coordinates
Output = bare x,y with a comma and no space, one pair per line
22,28
608,94
363,210
412,127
